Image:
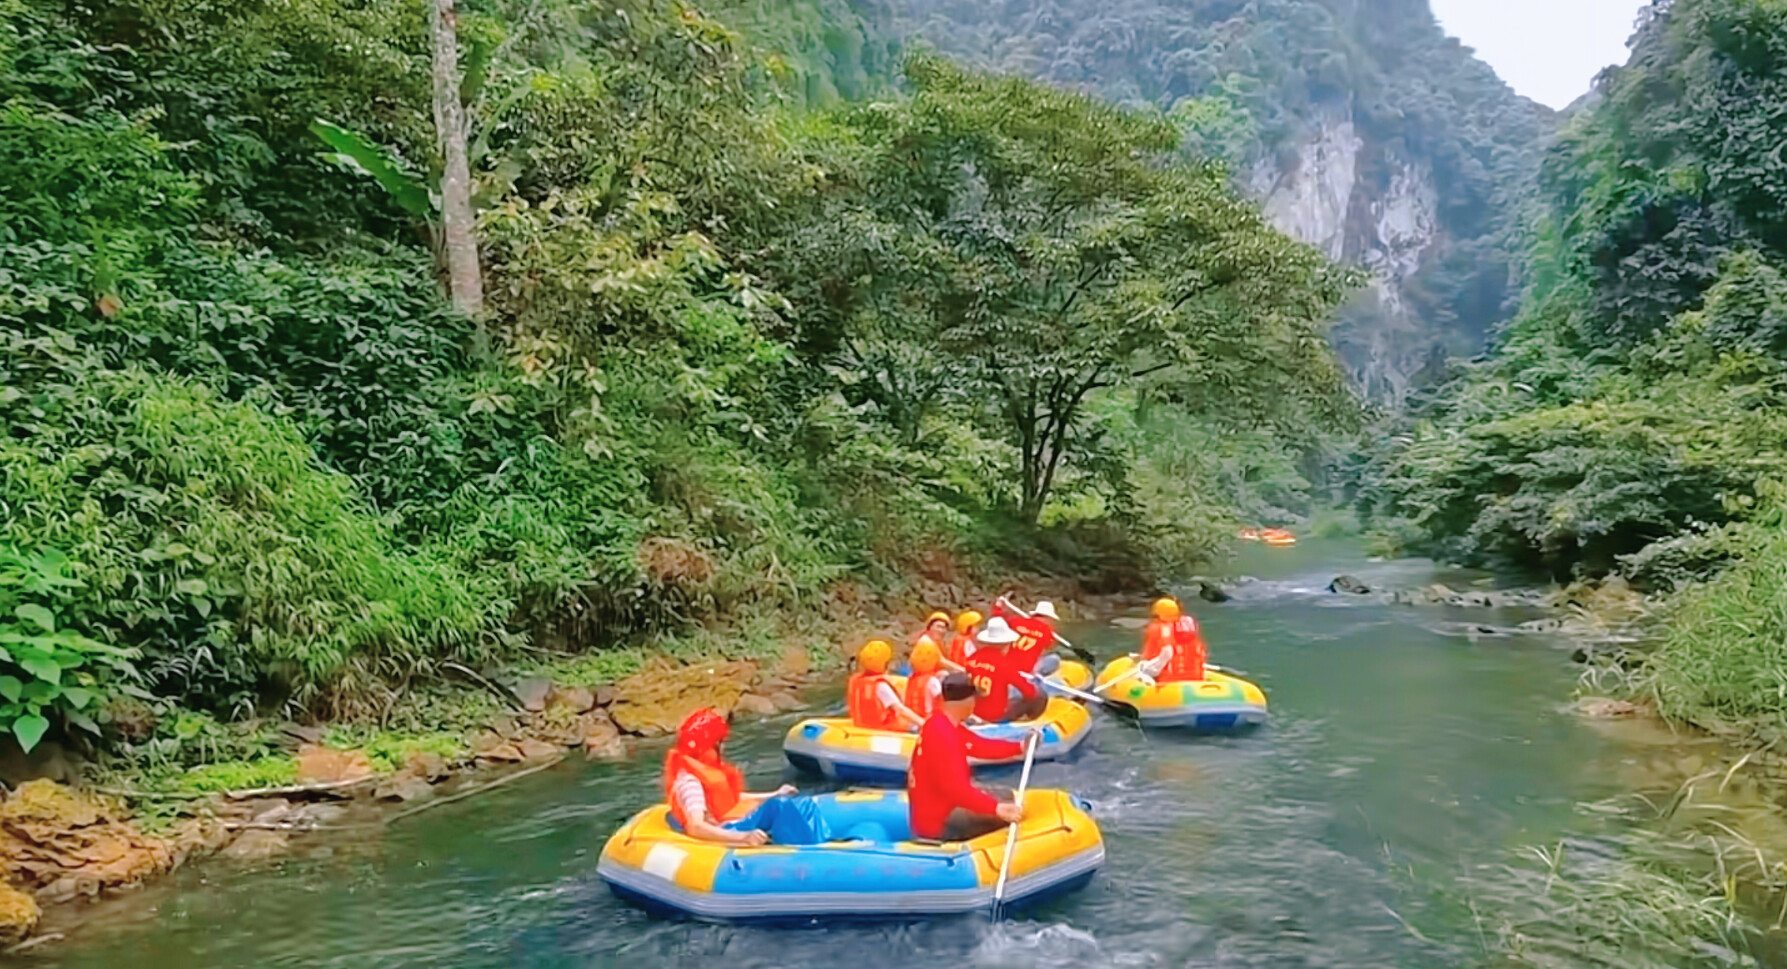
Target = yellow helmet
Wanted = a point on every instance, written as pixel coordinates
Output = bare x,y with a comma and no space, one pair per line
968,620
1167,609
874,657
926,657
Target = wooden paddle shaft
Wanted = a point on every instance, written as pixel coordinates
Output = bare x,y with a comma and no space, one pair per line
1011,839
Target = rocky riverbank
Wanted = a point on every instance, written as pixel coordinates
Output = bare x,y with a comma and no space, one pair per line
65,840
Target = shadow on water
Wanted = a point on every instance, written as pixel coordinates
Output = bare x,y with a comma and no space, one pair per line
1397,762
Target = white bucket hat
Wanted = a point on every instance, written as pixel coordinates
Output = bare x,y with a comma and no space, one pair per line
998,632
1046,609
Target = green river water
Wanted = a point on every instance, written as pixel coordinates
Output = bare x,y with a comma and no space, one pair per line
1372,823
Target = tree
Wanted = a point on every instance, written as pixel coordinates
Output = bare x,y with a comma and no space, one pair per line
464,281
1075,255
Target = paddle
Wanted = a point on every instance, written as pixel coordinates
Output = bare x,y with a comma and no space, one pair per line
1011,839
1083,655
1115,706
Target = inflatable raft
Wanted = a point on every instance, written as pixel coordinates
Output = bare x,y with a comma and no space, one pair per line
1072,673
1217,703
881,873
836,747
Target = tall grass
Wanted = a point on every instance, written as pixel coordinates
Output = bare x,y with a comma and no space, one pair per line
1723,660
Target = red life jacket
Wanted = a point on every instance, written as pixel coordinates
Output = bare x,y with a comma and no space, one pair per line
1188,649
918,693
866,709
721,784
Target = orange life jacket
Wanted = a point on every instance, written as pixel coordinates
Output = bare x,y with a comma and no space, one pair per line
866,709
918,693
1188,648
721,784
958,648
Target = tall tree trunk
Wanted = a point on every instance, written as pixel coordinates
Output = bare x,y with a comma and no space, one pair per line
465,282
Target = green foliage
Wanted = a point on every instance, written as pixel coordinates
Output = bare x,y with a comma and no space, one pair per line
1636,402
356,154
47,671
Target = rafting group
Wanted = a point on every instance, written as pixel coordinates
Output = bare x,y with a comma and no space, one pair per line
923,839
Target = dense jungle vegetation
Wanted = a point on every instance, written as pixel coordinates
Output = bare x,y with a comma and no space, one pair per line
750,315
1633,419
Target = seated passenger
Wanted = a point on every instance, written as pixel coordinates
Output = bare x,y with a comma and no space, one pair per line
708,800
926,683
1173,648
872,700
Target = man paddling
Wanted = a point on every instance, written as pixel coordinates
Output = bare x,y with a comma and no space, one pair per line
944,804
1036,636
998,673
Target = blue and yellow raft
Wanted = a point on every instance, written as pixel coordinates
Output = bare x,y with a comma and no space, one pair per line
836,747
879,874
1216,704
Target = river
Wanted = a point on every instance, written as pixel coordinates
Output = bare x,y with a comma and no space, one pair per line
1403,768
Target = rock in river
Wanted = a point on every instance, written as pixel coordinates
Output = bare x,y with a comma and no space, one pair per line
1349,585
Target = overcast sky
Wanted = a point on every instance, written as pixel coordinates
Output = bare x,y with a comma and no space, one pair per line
1549,50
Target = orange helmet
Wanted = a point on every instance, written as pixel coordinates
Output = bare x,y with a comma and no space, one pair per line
702,731
926,657
968,620
1167,609
874,657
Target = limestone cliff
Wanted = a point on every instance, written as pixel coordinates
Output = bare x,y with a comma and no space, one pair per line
1358,124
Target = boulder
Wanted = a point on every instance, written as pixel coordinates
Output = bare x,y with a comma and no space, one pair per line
598,732
320,814
19,915
1210,592
795,664
429,767
605,694
787,701
532,692
755,705
322,765
502,753
654,701
613,748
534,749
62,843
1603,708
257,844
1348,585
576,699
403,786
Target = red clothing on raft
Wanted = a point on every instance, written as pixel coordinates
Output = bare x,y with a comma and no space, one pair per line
1187,662
939,780
996,672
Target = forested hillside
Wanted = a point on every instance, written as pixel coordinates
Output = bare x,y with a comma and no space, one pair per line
1361,126
742,342
1635,417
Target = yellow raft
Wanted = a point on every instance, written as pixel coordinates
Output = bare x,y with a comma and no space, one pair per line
836,747
881,872
1217,703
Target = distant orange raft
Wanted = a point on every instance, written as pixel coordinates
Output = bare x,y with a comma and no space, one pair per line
1277,536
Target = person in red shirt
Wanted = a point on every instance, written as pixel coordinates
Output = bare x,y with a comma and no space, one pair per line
998,674
1036,635
944,804
1173,648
